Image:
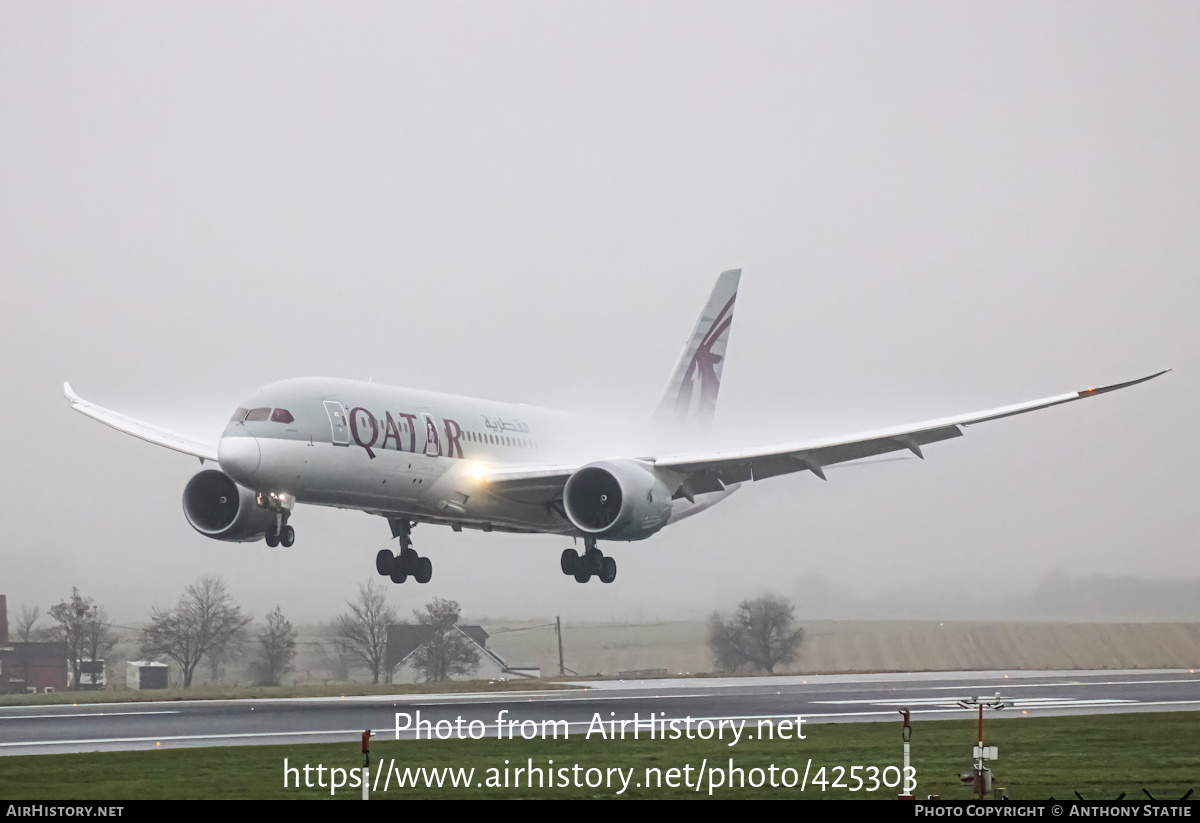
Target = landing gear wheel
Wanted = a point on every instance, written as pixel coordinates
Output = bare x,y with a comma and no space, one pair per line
582,577
409,558
287,537
424,570
608,570
593,561
570,561
399,572
384,561
272,537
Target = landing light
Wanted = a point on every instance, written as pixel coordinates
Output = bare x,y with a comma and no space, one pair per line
477,472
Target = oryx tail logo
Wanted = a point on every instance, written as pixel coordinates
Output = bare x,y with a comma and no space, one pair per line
702,380
691,394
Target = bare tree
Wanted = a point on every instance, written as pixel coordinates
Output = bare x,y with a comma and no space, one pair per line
204,620
228,652
448,651
335,653
760,633
277,649
724,640
27,623
98,637
364,628
78,621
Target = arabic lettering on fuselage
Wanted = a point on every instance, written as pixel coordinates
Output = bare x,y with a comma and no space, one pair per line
501,425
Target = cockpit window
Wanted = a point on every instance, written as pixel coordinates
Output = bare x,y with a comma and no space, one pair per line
258,414
282,416
238,416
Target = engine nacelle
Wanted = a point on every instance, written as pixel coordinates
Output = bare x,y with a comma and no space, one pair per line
617,500
221,509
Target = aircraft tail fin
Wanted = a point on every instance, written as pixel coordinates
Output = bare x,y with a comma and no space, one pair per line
690,397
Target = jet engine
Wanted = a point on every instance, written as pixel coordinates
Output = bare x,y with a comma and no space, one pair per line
617,500
219,508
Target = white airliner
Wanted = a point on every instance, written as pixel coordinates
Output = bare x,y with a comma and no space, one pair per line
422,457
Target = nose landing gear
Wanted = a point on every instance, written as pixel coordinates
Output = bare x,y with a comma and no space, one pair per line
591,562
281,534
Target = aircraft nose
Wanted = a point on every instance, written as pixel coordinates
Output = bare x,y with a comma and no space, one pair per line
239,457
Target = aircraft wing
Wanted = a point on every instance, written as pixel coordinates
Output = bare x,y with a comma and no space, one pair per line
147,432
702,472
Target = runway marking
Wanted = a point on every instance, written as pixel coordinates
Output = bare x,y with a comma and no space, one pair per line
96,741
1195,680
800,689
814,718
360,698
1166,703
765,690
871,679
585,696
1030,703
942,701
1020,685
82,714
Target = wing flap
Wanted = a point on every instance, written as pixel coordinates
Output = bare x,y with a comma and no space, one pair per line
859,449
144,431
773,465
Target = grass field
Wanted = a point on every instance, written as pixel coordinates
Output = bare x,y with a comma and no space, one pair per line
841,646
1099,756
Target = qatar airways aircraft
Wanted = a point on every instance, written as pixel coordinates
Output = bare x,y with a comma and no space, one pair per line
414,457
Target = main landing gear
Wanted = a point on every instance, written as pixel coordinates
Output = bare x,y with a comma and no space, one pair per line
592,561
408,562
281,534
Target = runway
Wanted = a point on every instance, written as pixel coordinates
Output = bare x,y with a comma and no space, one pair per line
817,699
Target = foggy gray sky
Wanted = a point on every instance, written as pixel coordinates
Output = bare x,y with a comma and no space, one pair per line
938,207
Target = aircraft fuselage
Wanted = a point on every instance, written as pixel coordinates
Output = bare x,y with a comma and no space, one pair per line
396,451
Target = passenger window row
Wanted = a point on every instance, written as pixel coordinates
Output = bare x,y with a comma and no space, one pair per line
500,440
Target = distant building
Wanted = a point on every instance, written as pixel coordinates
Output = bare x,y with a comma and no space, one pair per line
33,667
92,674
405,638
30,667
145,674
